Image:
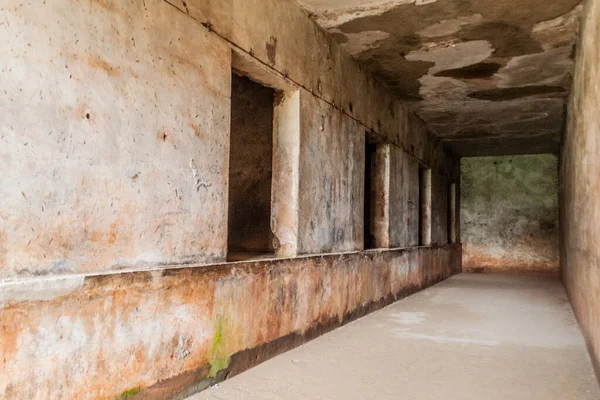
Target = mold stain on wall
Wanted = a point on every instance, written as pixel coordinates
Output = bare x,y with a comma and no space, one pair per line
509,214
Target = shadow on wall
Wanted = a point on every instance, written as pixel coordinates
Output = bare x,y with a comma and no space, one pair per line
509,214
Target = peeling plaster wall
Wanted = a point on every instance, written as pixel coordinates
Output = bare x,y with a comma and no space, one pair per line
580,185
509,214
115,161
490,77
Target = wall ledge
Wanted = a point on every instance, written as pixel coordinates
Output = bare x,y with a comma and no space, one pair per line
49,287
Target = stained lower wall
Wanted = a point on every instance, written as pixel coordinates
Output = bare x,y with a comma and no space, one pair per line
509,214
580,185
100,336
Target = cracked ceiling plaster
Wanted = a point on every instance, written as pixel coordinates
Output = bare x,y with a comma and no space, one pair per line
487,76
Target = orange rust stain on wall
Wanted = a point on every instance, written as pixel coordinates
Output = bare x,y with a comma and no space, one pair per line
99,63
139,328
96,237
199,134
105,4
481,261
13,322
112,235
81,111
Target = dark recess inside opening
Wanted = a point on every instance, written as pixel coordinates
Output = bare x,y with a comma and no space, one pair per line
369,238
451,213
250,170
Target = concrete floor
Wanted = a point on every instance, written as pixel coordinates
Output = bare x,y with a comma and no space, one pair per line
470,337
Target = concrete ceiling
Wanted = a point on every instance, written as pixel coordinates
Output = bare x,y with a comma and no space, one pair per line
488,76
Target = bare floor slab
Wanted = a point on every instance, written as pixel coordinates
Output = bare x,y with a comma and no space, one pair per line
470,337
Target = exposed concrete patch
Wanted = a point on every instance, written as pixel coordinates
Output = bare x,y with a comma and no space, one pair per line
552,67
452,55
405,85
436,89
449,26
336,12
508,40
355,43
558,32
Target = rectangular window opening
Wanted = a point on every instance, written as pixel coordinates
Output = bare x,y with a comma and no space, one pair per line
250,170
369,201
424,206
452,213
376,195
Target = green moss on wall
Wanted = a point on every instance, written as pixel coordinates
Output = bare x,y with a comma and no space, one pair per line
129,393
217,361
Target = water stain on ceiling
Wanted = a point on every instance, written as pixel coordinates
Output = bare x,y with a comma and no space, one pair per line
477,71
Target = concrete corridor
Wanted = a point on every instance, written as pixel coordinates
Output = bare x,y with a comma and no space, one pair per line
470,337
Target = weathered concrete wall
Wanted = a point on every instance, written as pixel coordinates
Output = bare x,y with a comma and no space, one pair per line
331,194
115,162
105,335
404,214
95,211
404,203
105,115
509,214
580,185
325,70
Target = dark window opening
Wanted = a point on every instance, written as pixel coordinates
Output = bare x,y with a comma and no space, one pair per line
452,213
250,170
369,203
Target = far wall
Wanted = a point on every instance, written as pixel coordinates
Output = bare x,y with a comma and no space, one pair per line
509,214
